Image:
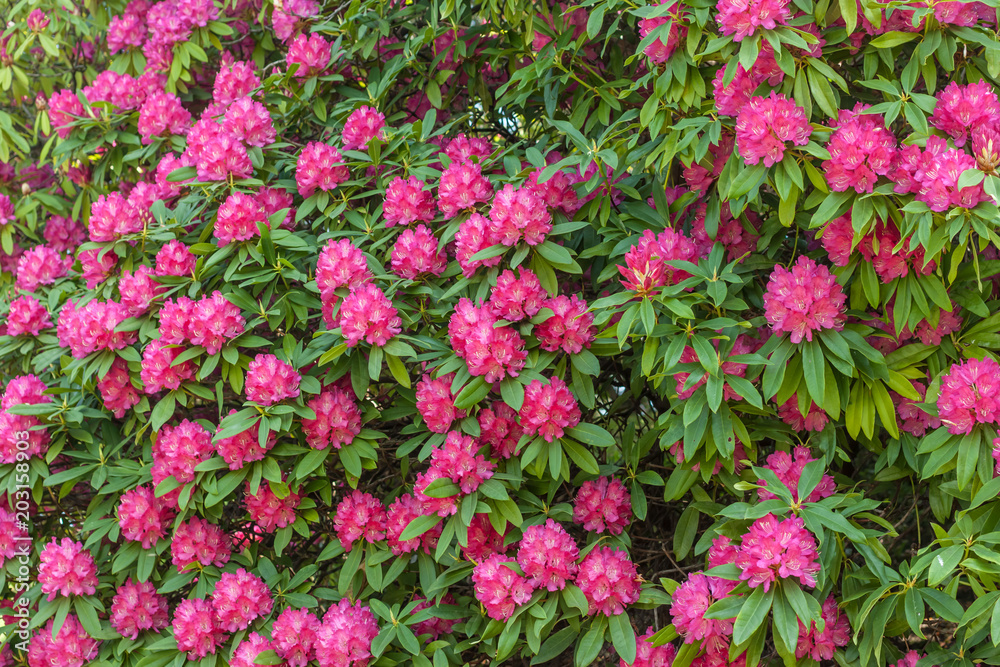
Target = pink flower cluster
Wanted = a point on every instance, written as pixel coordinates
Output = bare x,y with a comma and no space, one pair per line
271,380
27,317
609,581
778,549
360,516
211,321
499,588
65,568
239,598
436,404
113,216
547,556
41,265
143,517
368,314
521,296
548,409
71,647
346,635
319,167
661,49
492,351
338,419
22,390
363,125
461,188
406,202
500,428
311,53
603,505
269,511
458,460
788,469
198,541
790,413
691,601
861,150
804,300
416,252
570,328
176,452
970,395
245,447
933,174
962,109
137,607
647,655
647,267
766,124
821,644
400,513
91,327
742,18
295,635
217,153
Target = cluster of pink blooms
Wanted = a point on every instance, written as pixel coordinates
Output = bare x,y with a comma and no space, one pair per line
436,404
27,317
861,150
196,628
271,380
647,655
345,637
113,216
211,321
71,647
338,418
22,390
821,644
311,53
162,115
238,219
158,369
932,175
461,188
570,328
269,511
609,581
646,268
319,167
911,418
499,588
41,265
416,252
198,541
294,633
742,18
143,517
138,290
492,351
400,513
603,505
788,469
766,124
790,413
245,447
962,109
360,516
547,556
368,314
500,429
216,153
137,607
661,49
484,540
878,247
548,409
804,300
406,202
691,601
970,395
775,549
91,327
176,452
519,297
458,460
363,125
239,598
65,568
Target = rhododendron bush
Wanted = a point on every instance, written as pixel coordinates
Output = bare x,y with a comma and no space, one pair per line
437,333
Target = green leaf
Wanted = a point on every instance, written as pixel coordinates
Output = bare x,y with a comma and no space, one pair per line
592,434
752,615
590,644
419,526
623,637
944,563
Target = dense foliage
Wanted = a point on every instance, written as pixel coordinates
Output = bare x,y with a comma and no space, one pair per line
437,333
